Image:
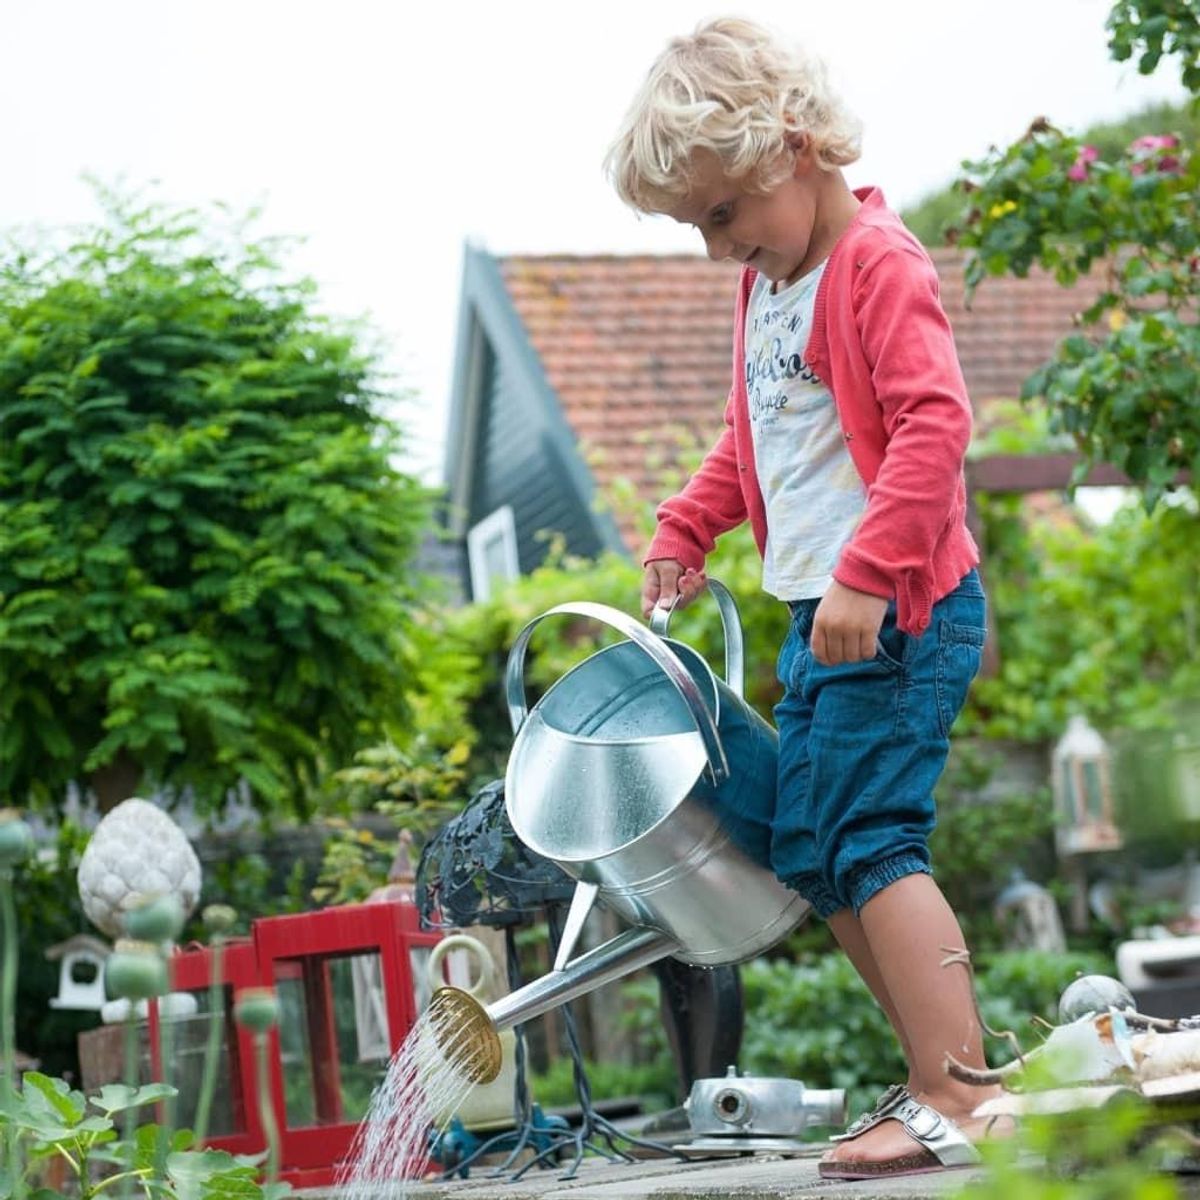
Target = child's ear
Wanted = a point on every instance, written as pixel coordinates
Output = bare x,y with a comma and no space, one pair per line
800,143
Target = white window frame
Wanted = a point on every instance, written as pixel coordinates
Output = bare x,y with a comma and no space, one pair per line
499,524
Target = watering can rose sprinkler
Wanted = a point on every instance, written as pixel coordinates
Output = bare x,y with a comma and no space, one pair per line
651,782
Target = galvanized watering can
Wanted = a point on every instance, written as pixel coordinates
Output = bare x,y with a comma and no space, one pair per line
652,783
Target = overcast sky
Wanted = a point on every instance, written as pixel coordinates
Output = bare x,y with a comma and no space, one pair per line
389,133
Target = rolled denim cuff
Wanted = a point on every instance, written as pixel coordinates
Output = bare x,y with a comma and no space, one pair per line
812,888
874,878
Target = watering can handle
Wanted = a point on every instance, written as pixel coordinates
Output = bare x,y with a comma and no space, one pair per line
652,644
731,626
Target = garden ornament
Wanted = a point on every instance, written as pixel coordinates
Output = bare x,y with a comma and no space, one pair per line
1091,994
1029,916
136,854
651,782
81,972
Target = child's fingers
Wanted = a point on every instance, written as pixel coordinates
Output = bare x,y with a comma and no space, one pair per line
660,583
690,585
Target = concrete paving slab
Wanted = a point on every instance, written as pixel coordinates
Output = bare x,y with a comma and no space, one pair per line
761,1177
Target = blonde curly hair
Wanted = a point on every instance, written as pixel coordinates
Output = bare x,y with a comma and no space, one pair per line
736,89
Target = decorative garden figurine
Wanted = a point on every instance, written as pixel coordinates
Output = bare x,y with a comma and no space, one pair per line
136,854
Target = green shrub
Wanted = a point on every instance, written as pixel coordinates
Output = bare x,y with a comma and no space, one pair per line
1111,1153
653,1083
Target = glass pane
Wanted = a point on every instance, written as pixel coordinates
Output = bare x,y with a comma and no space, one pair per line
1093,790
333,1036
418,958
294,1051
1070,800
189,1038
364,1050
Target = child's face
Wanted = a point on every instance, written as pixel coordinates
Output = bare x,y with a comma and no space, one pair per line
770,232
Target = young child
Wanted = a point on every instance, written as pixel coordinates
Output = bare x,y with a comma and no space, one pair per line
846,427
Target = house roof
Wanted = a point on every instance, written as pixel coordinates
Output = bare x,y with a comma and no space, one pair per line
637,348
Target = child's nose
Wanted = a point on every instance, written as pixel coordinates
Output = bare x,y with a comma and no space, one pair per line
718,246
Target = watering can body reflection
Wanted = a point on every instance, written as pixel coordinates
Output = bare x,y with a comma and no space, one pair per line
652,783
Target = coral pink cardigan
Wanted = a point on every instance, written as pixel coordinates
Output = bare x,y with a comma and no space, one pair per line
881,342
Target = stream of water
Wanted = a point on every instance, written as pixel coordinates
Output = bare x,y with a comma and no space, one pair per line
426,1082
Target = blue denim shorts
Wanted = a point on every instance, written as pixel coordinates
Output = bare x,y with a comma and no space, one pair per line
861,746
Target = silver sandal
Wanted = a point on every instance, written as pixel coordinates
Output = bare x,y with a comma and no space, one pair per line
942,1144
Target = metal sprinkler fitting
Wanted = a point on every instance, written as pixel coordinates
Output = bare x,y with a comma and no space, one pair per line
466,1034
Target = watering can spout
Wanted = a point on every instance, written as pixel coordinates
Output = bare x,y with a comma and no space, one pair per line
468,1032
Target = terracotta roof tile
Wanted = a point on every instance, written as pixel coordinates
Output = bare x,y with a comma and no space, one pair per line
638,347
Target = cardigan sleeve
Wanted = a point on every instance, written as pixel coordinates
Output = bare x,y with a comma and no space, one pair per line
710,504
918,384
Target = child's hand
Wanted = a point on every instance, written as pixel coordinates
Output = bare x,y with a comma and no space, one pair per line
666,578
846,625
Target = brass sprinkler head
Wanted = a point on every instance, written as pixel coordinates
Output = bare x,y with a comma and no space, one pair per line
466,1035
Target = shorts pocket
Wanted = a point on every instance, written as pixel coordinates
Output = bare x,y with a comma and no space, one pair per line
798,668
792,659
891,646
959,654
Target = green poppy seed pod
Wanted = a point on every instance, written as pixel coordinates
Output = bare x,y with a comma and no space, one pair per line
257,1008
158,920
135,971
218,918
16,839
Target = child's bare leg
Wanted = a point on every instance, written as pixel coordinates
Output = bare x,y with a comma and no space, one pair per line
848,930
906,926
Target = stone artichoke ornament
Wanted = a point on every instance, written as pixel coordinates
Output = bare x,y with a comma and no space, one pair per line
136,854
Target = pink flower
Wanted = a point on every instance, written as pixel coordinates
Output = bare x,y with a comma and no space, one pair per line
1150,142
1147,154
1078,171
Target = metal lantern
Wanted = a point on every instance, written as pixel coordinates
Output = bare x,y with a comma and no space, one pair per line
1083,796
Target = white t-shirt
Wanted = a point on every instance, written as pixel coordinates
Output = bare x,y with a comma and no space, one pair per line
814,496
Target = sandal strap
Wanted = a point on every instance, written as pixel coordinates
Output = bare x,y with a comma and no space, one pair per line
877,1112
938,1134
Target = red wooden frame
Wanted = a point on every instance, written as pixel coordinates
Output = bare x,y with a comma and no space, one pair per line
300,947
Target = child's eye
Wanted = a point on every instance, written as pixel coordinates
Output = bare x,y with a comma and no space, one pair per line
722,214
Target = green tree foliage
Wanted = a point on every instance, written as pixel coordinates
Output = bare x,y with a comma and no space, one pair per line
1124,386
204,548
